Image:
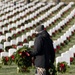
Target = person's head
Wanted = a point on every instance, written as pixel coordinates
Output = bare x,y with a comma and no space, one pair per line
39,28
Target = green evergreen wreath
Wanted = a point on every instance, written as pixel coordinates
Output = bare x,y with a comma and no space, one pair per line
21,58
62,67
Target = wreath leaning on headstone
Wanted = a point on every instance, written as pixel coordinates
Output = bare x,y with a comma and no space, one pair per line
22,59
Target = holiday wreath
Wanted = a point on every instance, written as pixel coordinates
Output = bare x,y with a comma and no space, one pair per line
22,59
62,67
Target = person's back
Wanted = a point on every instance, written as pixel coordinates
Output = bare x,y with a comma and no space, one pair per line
47,49
43,49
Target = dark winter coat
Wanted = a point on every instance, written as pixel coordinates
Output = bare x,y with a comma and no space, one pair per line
43,50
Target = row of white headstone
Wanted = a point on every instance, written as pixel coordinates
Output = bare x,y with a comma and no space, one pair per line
9,34
12,50
19,39
5,28
63,22
68,32
65,57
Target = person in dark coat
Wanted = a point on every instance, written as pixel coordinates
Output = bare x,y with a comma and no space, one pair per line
43,51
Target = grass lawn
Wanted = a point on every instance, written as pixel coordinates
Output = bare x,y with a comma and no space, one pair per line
12,70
